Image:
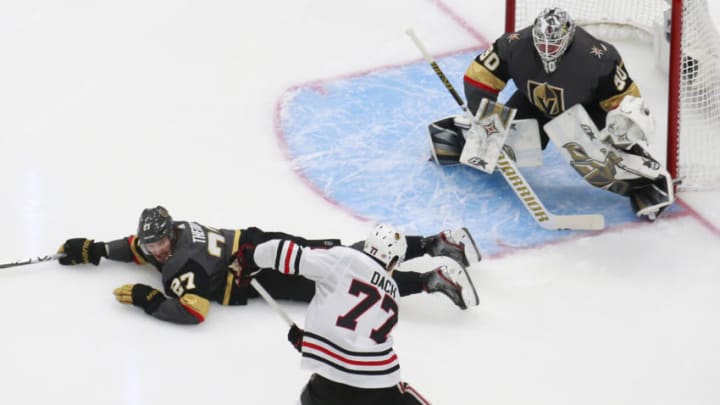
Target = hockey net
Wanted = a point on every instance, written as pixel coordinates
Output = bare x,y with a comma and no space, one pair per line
686,46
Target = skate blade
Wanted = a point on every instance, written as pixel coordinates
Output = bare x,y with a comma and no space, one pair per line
471,250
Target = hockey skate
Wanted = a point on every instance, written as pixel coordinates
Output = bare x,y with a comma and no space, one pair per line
457,244
454,281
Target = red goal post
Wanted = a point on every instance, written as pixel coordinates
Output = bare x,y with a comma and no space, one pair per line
687,46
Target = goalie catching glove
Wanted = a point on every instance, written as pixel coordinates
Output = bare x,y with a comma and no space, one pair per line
628,125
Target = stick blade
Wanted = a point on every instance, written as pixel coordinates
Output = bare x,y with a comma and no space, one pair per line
587,222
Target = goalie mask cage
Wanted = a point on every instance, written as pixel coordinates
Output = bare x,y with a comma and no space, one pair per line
686,32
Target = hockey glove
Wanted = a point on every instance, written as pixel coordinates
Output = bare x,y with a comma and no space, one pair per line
295,337
244,265
140,295
82,250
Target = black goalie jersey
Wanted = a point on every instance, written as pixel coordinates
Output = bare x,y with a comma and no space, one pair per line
591,73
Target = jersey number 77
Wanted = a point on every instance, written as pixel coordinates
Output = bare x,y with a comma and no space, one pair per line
371,297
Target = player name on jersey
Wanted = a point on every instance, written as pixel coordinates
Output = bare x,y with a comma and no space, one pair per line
198,234
384,283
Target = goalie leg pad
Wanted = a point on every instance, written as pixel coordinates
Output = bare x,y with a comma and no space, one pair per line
639,177
446,141
523,143
577,138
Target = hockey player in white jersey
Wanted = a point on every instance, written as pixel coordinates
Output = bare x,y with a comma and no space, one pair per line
347,342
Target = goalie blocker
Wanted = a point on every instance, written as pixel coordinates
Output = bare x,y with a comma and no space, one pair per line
460,140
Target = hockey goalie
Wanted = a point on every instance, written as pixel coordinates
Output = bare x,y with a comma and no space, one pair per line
569,84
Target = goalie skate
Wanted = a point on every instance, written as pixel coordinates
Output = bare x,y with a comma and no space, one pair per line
454,281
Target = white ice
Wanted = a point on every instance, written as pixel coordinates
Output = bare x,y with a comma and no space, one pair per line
110,107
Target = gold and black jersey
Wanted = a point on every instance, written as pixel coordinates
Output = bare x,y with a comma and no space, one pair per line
201,252
197,271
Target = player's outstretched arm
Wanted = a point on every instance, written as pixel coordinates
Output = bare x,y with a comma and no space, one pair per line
189,287
289,258
84,250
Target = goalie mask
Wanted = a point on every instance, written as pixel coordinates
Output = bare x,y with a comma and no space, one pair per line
386,244
553,31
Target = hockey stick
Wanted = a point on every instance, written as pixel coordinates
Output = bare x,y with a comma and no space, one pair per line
271,301
32,260
510,172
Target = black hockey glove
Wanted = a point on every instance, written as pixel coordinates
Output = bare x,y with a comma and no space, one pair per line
295,337
140,295
82,250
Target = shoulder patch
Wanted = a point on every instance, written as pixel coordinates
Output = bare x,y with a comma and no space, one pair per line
598,51
512,37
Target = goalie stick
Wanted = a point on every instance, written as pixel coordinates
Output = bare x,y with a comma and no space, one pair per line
32,260
512,175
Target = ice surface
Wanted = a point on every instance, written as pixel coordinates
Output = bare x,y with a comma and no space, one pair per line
108,108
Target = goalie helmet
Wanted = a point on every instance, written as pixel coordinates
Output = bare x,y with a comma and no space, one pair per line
154,225
385,243
553,31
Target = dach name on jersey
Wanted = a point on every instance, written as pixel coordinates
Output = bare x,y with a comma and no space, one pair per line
385,284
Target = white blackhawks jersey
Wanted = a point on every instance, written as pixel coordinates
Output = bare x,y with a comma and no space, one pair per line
349,320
